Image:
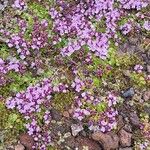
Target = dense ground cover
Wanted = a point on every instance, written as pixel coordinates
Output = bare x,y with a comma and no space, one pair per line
75,74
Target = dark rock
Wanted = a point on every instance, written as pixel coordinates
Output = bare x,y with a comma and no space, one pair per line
63,128
83,133
56,115
128,93
26,140
134,119
109,141
147,109
59,128
125,138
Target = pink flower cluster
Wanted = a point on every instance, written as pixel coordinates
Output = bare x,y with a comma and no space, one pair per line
61,88
30,100
85,98
144,145
29,103
39,38
138,68
39,34
75,21
20,4
80,114
42,139
126,28
33,101
133,4
112,100
146,25
20,44
11,65
78,84
106,120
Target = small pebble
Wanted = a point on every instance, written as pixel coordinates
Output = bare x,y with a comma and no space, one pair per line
76,128
128,93
66,114
66,135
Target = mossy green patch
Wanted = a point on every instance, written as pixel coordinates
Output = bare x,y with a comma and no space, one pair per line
11,123
39,10
20,82
62,101
4,51
101,107
138,80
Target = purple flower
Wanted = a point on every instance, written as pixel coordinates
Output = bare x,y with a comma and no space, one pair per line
126,28
20,4
78,84
146,25
138,68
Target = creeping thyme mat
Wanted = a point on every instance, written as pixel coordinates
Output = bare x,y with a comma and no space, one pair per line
75,74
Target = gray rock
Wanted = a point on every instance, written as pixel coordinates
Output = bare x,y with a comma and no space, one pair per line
133,41
70,142
128,128
2,7
128,93
148,68
134,119
55,114
76,128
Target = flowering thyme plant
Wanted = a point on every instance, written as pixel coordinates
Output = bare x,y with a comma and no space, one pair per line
60,48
